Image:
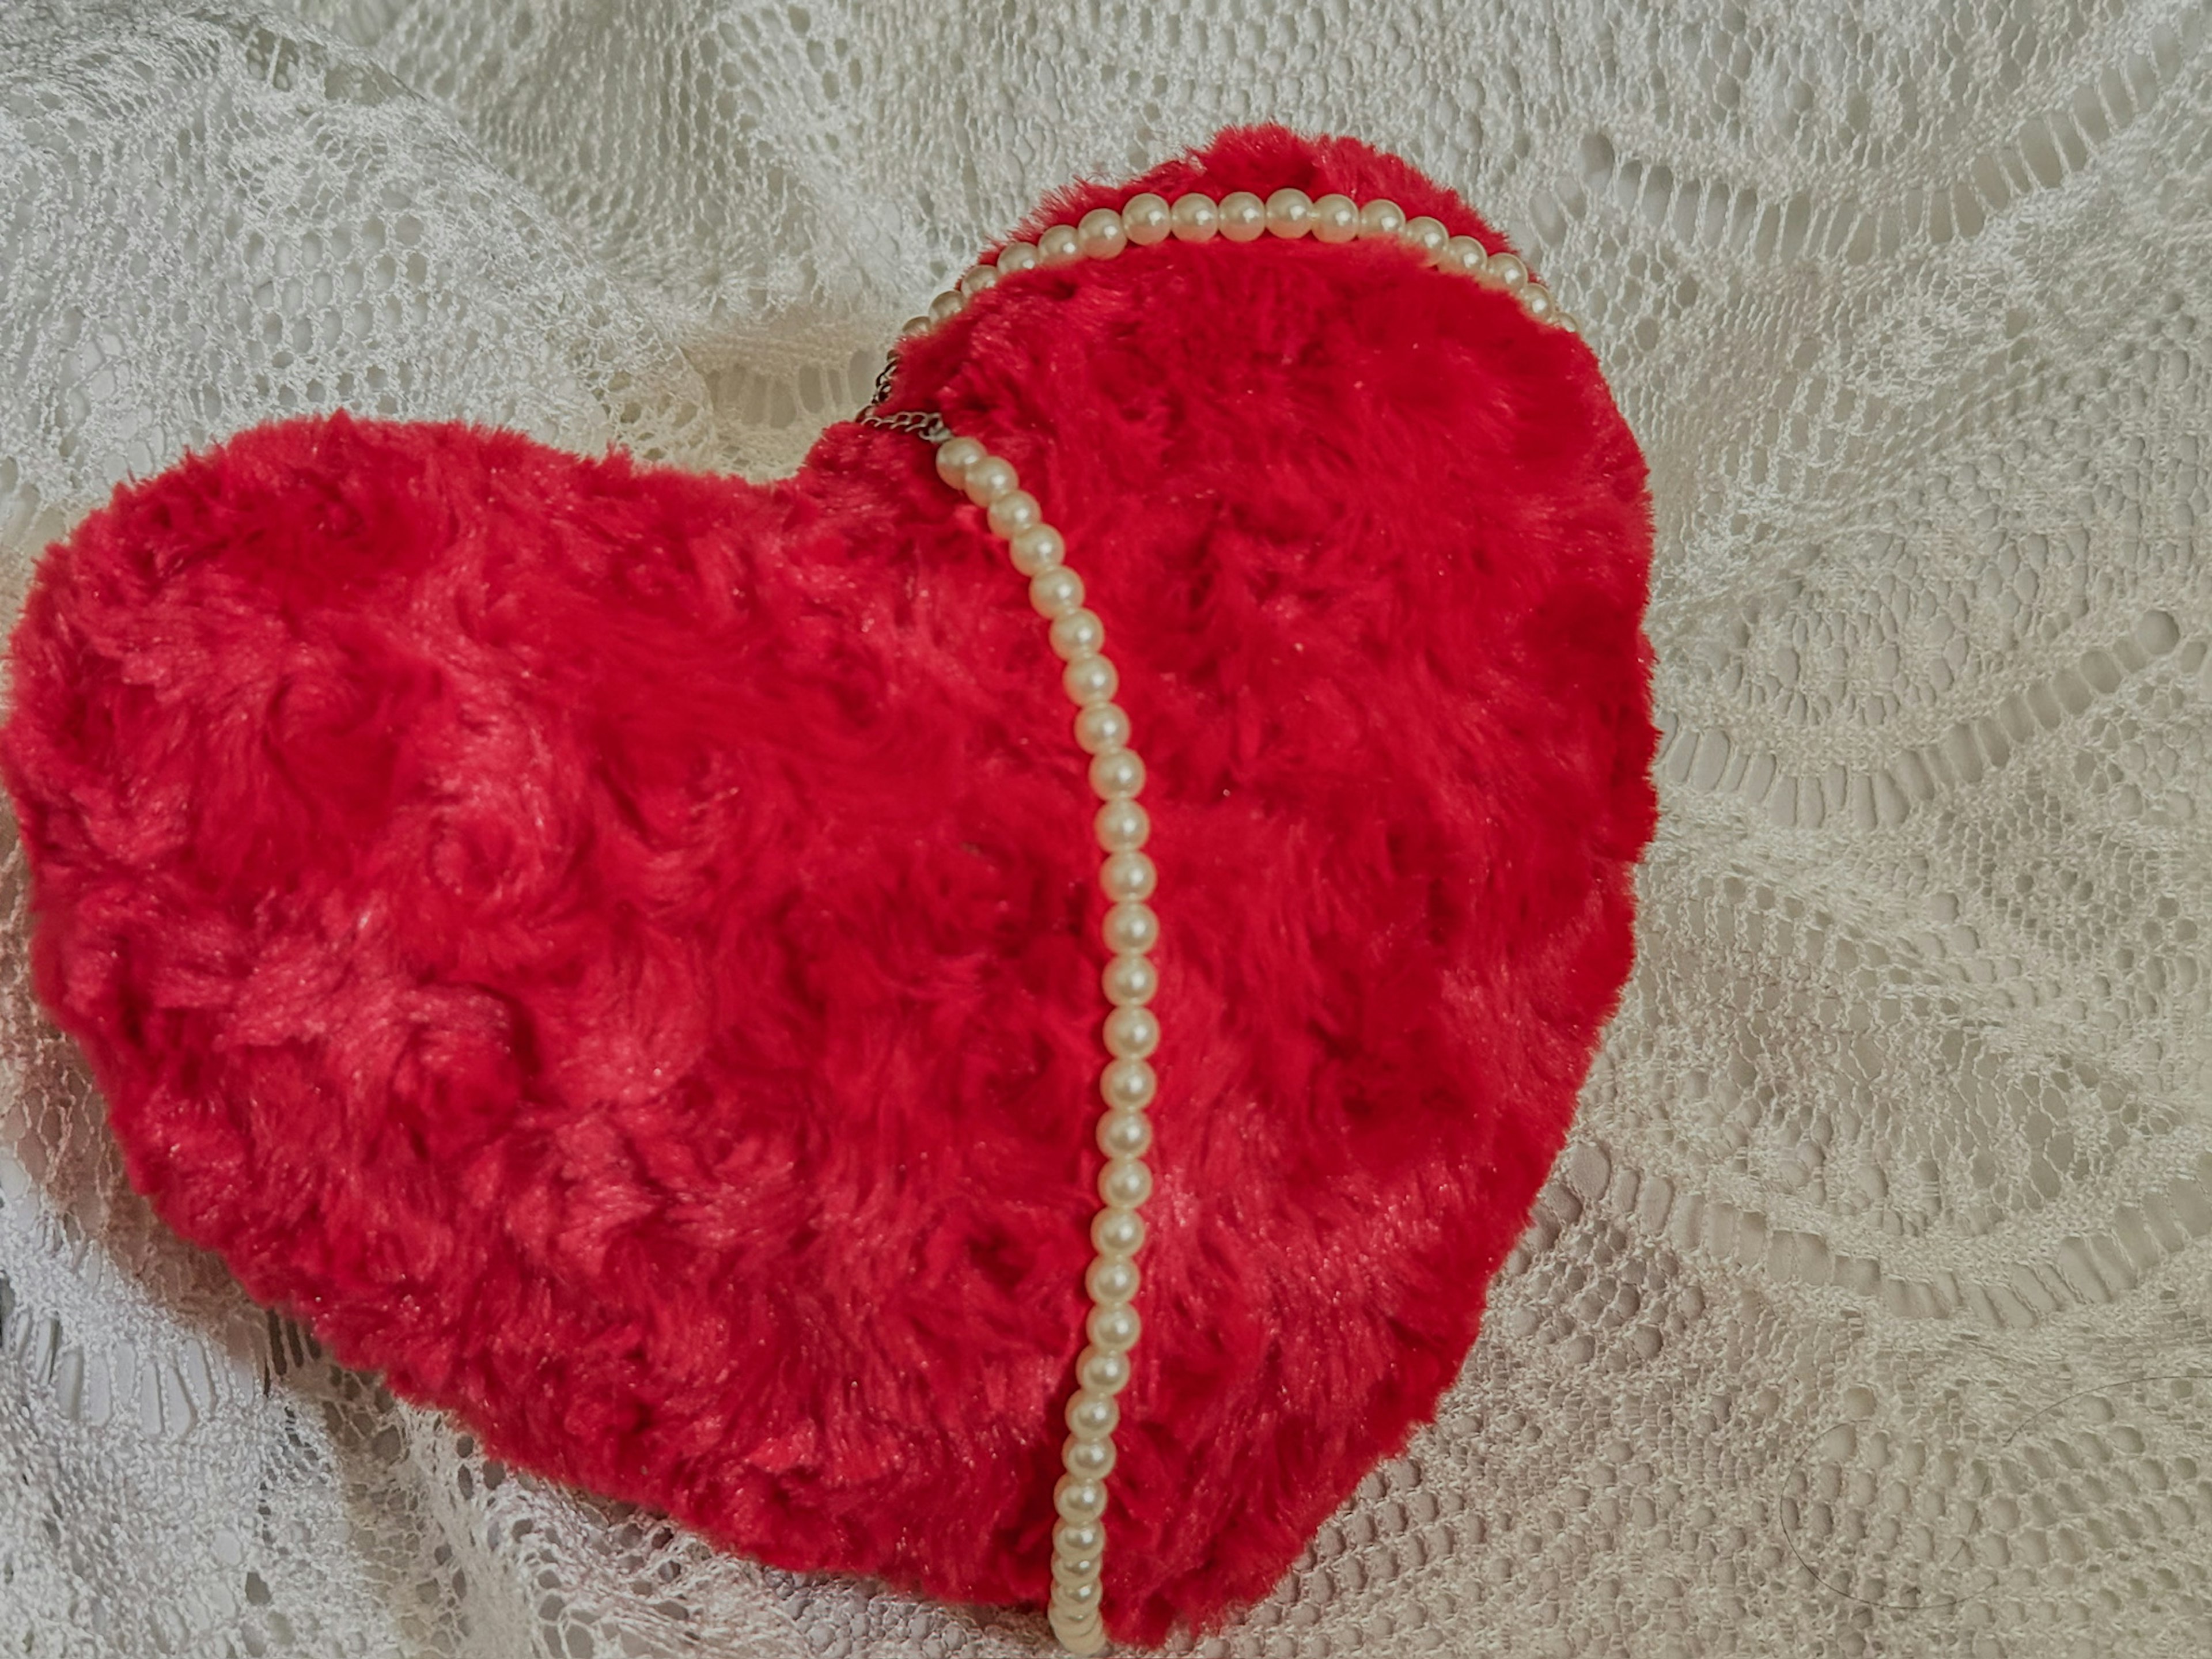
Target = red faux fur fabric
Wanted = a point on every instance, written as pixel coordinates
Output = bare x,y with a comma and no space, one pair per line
616,949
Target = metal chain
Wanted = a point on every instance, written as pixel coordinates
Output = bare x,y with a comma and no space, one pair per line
884,379
925,423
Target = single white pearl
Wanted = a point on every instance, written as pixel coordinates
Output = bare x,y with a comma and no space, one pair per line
913,325
1197,217
1091,1415
1083,1638
1127,875
1086,1460
1568,321
1101,1371
1081,1634
1089,680
1116,775
1080,1596
1078,1500
1506,270
1243,216
1335,219
1112,1278
1537,300
1078,634
1379,217
1132,1033
1426,234
1092,1460
1463,255
978,278
1075,1569
1128,1085
1290,213
1102,726
1037,550
1146,219
1070,1570
1117,1232
1059,246
1130,980
1056,591
1017,255
1116,1326
1124,1134
1121,824
1014,511
1077,1538
1099,233
1126,1183
986,480
1130,926
1074,1635
1127,1089
947,304
1078,1628
955,456
1073,1601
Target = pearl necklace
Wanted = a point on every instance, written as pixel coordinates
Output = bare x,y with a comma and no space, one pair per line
1241,217
1129,878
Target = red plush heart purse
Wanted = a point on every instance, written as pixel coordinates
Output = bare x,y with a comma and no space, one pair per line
981,1015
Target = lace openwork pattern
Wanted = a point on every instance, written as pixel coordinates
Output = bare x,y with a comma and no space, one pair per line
1869,1311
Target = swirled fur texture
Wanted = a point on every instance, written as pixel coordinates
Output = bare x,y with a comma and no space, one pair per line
615,949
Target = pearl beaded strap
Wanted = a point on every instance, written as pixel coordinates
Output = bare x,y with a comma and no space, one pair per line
1131,1031
1241,217
1132,928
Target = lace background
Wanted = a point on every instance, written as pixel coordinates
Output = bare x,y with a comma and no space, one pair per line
1869,1311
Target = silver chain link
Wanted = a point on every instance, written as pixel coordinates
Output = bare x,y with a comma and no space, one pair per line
925,423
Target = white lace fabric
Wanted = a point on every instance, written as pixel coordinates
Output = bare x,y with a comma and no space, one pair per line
1869,1311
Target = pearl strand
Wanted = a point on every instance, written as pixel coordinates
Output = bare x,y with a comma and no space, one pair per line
1131,1031
1241,217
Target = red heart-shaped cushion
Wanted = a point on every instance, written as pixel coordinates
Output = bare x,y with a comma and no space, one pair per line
616,949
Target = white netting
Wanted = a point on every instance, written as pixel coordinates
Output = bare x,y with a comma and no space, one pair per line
1870,1309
